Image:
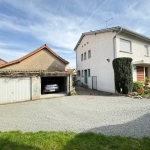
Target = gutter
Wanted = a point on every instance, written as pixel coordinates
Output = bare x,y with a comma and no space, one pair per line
114,47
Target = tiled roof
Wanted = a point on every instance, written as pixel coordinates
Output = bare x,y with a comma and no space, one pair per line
32,53
3,60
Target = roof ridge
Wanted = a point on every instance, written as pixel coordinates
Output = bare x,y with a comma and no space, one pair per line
32,53
3,60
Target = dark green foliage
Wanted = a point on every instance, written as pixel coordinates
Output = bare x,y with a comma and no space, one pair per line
123,74
69,141
137,85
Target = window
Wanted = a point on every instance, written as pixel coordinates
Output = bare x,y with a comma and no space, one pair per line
85,56
146,51
78,72
82,73
89,54
81,57
89,74
125,45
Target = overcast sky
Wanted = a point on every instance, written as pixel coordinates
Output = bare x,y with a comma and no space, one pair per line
28,24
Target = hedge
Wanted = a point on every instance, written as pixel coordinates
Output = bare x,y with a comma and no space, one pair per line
123,74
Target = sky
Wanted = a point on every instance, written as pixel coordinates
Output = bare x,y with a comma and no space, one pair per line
25,25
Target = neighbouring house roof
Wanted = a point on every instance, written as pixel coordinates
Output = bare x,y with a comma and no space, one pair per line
3,60
70,70
124,30
32,53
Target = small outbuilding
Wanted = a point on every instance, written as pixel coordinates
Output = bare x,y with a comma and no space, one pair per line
23,79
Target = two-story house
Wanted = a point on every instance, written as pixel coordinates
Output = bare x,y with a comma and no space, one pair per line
96,50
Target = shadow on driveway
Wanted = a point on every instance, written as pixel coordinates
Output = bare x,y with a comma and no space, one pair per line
139,128
86,91
136,128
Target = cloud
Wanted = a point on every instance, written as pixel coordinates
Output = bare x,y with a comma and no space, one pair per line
60,23
9,55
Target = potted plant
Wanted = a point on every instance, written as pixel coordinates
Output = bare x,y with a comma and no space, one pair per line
146,81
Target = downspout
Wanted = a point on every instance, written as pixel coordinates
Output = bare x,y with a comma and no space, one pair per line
69,84
114,46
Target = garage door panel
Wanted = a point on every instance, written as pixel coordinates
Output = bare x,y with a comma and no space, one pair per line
14,89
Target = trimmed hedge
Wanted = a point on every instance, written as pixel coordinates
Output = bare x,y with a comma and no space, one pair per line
123,74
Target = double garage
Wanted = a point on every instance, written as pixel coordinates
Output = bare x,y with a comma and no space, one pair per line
16,89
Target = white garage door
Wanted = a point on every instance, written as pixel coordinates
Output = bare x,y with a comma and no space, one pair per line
14,90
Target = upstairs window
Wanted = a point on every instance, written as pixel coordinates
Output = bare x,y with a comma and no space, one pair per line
85,56
125,46
146,51
89,54
81,57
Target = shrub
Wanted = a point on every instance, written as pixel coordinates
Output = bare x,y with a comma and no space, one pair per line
140,91
137,85
123,74
146,79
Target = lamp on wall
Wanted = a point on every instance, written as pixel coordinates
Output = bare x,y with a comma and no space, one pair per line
108,60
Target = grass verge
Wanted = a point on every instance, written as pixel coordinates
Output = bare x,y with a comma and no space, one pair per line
16,140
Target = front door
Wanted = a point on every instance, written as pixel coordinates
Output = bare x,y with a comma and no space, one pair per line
85,77
140,73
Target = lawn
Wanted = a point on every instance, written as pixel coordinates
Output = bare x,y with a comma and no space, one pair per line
16,140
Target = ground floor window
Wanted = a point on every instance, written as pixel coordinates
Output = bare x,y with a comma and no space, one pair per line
89,74
78,72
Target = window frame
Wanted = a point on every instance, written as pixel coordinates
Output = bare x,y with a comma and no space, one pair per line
84,55
89,72
82,73
79,73
81,57
89,54
146,48
130,46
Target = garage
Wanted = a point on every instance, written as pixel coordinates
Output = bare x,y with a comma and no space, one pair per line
51,85
25,78
15,89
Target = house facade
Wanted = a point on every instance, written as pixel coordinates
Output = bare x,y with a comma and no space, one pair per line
23,79
96,50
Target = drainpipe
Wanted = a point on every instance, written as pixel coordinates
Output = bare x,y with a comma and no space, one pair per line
114,42
69,84
114,46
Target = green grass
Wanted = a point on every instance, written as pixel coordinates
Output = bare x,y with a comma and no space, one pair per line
16,140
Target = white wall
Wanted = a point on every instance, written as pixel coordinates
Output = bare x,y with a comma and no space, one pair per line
15,89
137,47
101,46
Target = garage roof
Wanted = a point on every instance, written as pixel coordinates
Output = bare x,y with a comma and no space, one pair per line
32,53
3,60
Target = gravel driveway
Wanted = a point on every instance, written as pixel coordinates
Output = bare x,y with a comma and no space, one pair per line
110,115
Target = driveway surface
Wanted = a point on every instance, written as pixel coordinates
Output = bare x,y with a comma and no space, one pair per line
110,115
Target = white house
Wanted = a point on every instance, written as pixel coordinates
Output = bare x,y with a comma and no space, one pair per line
96,50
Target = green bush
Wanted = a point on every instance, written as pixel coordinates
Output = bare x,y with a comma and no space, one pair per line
123,74
137,85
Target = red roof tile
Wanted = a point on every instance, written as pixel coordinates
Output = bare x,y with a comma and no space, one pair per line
3,60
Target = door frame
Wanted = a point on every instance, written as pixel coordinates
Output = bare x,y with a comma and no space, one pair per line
92,82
